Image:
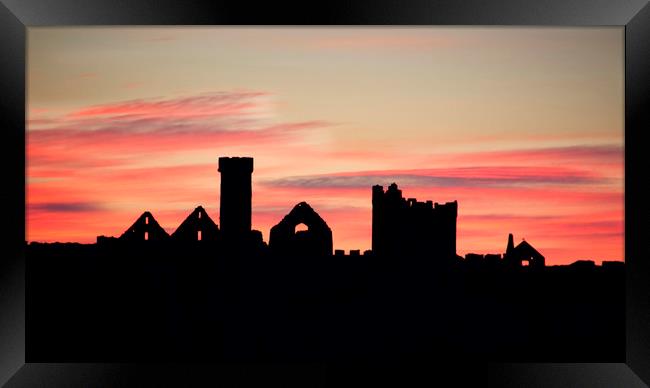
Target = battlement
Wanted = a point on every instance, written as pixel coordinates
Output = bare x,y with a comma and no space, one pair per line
402,225
236,164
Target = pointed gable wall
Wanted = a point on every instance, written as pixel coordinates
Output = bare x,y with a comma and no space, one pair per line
197,221
317,240
145,228
522,252
525,251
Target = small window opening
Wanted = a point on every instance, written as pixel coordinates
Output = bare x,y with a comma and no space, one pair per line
146,236
525,263
199,218
199,235
146,220
301,227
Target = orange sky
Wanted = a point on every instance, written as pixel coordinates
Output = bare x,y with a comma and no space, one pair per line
524,127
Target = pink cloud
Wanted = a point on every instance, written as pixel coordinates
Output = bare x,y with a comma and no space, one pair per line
208,105
128,132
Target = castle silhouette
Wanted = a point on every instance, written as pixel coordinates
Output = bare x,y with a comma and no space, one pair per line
400,226
211,292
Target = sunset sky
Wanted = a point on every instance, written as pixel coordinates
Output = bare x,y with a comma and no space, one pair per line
523,126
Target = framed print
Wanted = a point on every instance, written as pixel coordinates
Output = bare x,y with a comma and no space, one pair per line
211,194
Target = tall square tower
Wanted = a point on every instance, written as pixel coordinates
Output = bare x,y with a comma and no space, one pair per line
236,195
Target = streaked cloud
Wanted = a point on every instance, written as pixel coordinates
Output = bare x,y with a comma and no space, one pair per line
122,133
209,105
459,177
592,153
65,207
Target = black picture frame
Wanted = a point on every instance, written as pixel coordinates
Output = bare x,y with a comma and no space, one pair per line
17,15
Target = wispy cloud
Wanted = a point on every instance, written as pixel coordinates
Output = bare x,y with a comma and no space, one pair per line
458,177
65,207
236,110
123,132
605,153
209,105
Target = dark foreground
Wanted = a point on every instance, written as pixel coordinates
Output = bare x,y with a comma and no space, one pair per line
149,303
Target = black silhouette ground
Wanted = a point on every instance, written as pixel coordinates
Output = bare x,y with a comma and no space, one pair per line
156,301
